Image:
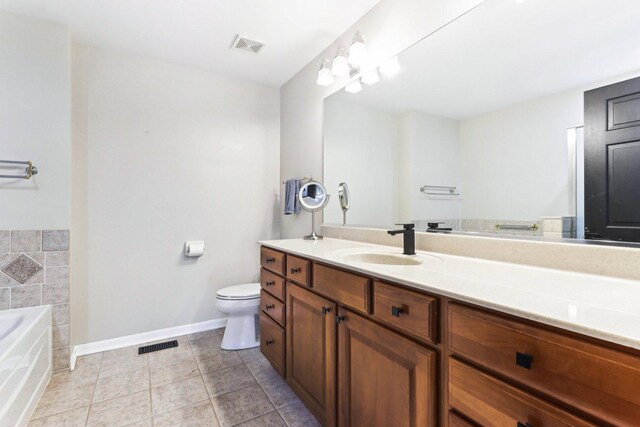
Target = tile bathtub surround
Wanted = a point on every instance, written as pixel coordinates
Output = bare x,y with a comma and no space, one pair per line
173,387
34,270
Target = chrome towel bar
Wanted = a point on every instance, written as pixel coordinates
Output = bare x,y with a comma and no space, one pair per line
29,171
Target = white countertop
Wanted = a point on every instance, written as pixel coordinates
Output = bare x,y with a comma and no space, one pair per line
597,306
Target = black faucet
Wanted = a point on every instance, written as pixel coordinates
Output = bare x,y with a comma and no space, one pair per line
409,238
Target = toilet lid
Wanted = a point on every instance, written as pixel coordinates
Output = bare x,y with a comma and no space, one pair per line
246,291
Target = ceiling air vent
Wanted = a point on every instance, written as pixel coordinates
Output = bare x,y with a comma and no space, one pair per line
244,43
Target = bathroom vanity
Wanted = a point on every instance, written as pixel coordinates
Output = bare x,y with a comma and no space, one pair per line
366,338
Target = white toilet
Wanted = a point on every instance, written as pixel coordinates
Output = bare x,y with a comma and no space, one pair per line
241,303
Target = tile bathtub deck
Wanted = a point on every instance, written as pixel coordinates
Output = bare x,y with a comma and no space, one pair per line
194,384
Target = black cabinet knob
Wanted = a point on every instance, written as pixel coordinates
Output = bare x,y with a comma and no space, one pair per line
269,342
340,319
326,310
524,360
269,260
296,270
270,306
270,283
396,311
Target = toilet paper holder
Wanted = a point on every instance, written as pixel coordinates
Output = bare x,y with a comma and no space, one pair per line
194,248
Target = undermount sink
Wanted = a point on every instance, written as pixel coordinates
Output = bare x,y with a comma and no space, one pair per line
382,257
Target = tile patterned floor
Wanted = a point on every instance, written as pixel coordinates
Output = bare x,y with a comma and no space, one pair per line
195,384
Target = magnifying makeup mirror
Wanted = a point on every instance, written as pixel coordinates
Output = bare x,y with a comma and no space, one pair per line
313,197
343,198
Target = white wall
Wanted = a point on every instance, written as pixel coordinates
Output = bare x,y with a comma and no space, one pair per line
507,153
431,157
165,154
35,122
360,147
391,26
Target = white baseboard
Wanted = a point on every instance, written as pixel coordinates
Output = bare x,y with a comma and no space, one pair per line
144,337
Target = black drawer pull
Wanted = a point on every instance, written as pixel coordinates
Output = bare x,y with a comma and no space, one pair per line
340,319
269,342
396,311
326,310
524,360
270,306
269,260
270,283
296,270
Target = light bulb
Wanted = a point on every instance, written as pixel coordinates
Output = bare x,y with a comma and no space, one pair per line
340,64
353,87
325,78
357,51
390,67
371,77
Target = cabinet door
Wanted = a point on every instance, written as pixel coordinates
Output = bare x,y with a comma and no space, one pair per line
311,341
384,379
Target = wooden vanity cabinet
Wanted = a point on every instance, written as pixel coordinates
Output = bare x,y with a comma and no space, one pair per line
360,351
384,379
311,351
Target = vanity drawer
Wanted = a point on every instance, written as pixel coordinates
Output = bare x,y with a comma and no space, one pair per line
599,381
272,342
345,288
410,311
456,420
298,270
488,401
271,306
272,283
272,260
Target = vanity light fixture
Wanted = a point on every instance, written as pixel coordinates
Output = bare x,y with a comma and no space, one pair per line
325,77
371,77
353,87
357,51
340,64
390,67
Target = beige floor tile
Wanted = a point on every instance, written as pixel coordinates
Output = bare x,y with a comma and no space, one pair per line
213,361
250,354
116,365
209,333
198,415
229,379
142,423
242,405
262,370
298,416
74,418
272,419
87,368
121,384
182,368
121,411
176,395
170,355
206,344
63,399
279,392
130,351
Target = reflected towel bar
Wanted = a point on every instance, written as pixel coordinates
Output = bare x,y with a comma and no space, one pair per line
514,227
29,171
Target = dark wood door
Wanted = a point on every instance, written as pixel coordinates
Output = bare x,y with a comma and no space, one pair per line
311,351
384,379
612,162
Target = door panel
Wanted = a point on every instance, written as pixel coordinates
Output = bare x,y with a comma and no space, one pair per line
372,361
311,338
612,162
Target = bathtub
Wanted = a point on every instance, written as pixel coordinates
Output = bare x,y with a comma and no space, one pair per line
25,362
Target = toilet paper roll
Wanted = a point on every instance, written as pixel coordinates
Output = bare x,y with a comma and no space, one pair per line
194,248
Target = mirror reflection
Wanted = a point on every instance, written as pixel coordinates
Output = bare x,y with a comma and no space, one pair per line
482,130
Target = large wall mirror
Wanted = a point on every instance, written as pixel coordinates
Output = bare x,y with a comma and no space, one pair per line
483,131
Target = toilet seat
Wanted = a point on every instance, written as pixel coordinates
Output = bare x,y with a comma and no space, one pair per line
246,291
